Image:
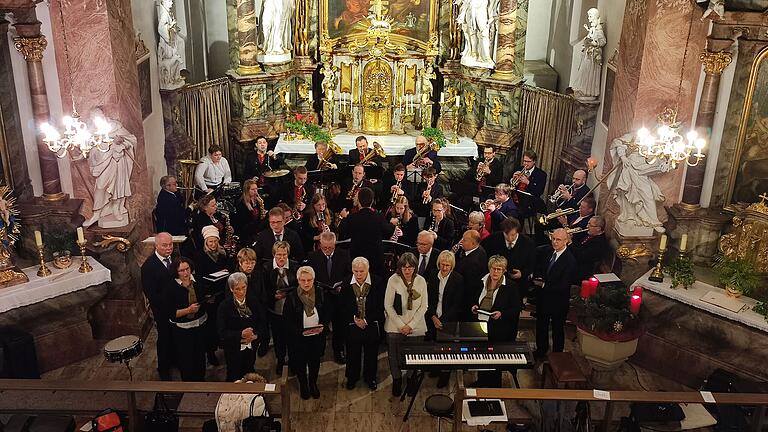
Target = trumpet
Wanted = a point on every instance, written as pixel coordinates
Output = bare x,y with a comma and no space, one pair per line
377,151
333,149
480,170
394,194
485,204
516,177
427,194
557,194
556,214
576,230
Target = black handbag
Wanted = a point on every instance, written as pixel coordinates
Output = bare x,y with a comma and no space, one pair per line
262,423
161,418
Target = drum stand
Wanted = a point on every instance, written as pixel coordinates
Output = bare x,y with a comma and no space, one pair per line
127,363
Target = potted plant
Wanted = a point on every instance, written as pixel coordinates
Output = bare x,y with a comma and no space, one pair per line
738,276
607,329
434,135
681,271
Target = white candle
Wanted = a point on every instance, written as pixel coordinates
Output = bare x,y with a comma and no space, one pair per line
663,244
38,238
442,97
80,236
458,101
683,242
310,96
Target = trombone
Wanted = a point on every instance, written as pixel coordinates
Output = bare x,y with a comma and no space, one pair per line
556,214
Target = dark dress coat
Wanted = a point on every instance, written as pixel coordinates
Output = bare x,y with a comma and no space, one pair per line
366,229
170,213
266,239
507,302
453,297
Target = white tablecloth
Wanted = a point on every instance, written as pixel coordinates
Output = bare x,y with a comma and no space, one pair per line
692,297
59,282
393,145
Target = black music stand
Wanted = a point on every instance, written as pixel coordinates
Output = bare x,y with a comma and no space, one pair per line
322,178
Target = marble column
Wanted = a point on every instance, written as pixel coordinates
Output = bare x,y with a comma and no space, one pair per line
248,37
301,30
505,44
714,64
31,44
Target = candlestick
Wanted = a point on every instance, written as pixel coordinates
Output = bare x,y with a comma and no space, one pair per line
85,267
38,239
43,270
80,236
657,275
683,242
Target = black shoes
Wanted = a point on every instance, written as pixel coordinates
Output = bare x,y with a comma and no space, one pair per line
397,387
373,385
314,390
351,384
340,358
303,390
212,360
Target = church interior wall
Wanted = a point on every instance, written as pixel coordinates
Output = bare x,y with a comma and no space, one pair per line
538,31
145,23
217,38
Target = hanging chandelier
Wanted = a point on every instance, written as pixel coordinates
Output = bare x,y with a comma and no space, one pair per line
667,143
76,137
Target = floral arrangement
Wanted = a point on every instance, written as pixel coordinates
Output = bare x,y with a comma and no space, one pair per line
306,126
436,135
738,275
607,315
681,270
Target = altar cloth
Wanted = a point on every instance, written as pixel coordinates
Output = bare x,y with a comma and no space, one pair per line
59,282
692,297
393,145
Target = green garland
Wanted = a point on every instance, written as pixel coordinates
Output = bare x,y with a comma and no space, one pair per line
762,309
681,270
435,135
305,125
606,314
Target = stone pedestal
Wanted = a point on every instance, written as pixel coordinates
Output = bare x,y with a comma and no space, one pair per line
178,143
634,254
703,226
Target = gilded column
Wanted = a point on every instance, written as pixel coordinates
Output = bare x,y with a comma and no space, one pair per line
714,64
505,45
247,36
301,29
31,44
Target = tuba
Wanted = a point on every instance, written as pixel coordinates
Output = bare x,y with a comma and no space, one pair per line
187,178
333,149
377,151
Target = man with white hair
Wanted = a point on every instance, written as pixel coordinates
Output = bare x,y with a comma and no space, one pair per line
362,305
156,279
426,254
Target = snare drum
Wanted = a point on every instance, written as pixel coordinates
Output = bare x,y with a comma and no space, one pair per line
123,348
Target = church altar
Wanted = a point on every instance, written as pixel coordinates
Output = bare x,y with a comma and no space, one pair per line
693,295
393,145
59,282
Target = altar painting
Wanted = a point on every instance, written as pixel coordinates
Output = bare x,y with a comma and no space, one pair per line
409,18
749,177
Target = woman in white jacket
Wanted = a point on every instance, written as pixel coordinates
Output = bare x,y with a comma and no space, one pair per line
405,304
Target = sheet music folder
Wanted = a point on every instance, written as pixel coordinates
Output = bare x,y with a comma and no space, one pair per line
463,332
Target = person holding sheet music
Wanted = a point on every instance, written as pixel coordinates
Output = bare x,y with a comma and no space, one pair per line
405,221
497,302
331,265
240,324
279,281
445,290
362,307
306,315
186,305
212,170
212,267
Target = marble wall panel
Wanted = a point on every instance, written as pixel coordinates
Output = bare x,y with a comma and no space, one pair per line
521,26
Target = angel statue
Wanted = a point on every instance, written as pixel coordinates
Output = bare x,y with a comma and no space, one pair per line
330,75
276,29
170,47
587,83
477,20
426,76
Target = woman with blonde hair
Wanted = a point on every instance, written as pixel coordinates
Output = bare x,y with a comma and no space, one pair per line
405,303
318,219
404,220
249,212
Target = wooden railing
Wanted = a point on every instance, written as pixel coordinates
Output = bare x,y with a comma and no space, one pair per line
758,400
60,390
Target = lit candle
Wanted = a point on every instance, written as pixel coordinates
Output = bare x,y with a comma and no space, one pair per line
38,238
663,244
80,236
442,97
586,287
634,304
593,284
310,97
458,101
683,242
638,291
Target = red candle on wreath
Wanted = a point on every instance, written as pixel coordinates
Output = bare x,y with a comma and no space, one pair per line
586,288
634,303
593,284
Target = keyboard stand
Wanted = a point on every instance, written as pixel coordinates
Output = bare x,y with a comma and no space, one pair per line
418,378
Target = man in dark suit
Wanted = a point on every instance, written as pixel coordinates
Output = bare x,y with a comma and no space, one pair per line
313,162
517,248
472,263
332,267
361,150
362,305
170,213
532,180
156,278
589,252
579,188
426,254
279,280
277,232
261,160
558,273
491,170
396,184
579,220
429,159
366,230
297,193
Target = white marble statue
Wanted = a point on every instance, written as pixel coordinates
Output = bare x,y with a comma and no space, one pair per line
634,190
170,47
586,86
476,19
330,76
112,170
276,32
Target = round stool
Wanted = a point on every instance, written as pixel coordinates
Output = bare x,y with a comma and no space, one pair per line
440,406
